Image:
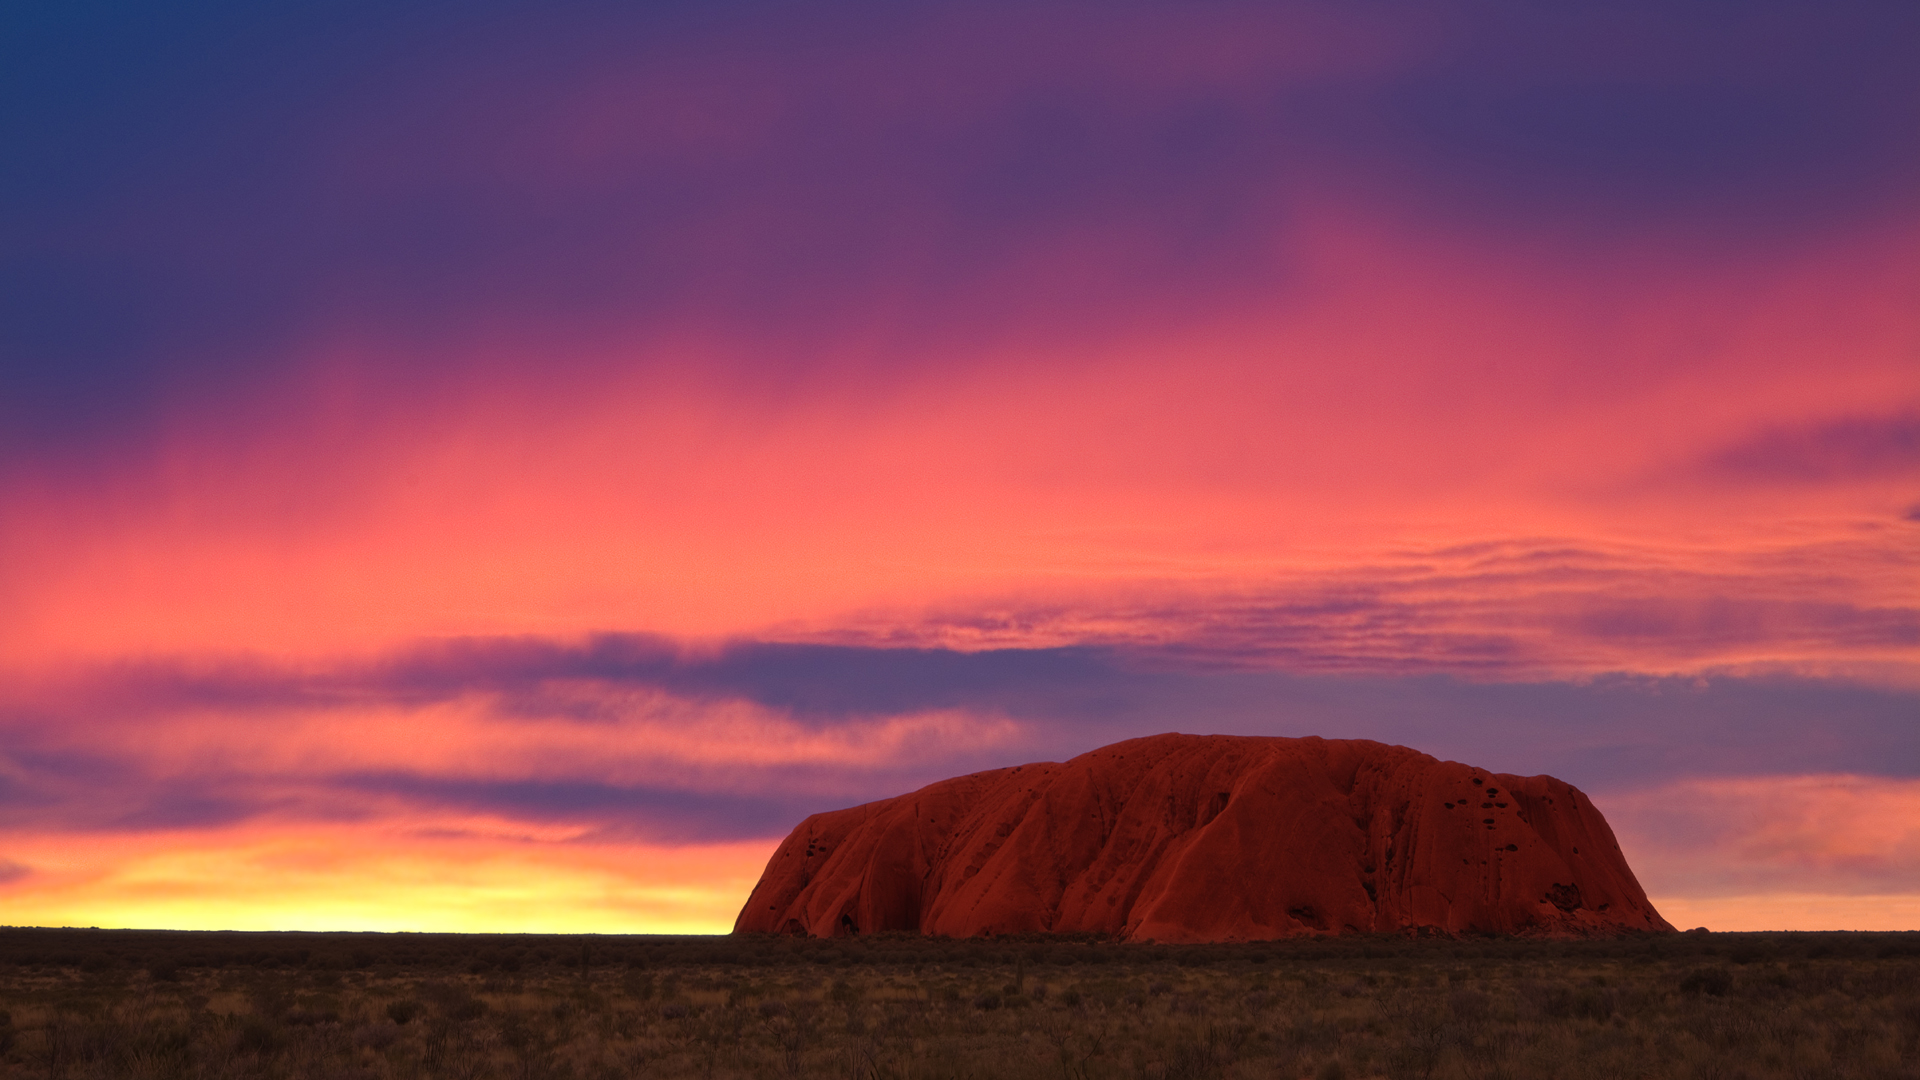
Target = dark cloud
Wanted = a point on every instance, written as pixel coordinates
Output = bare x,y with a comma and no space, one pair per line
660,815
11,871
195,193
1614,732
1837,450
810,681
1650,115
121,793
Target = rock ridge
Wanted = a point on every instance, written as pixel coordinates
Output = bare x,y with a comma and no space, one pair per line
1191,838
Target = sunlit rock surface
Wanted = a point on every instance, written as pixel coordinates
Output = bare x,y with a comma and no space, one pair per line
1181,838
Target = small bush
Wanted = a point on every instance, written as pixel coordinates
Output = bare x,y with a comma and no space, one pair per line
1468,1006
1713,982
456,1004
402,1012
257,1036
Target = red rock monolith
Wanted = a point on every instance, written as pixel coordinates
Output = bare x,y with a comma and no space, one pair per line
1183,838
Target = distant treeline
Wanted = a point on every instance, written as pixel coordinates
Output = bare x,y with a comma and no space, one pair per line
165,954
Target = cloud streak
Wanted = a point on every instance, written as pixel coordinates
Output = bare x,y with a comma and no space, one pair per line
1512,609
1848,448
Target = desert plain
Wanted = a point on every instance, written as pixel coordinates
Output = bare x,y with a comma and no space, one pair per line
1700,1006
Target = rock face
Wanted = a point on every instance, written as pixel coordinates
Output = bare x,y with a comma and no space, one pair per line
1211,838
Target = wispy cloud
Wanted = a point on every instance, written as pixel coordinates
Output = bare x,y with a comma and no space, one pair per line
624,733
619,756
1521,608
1837,450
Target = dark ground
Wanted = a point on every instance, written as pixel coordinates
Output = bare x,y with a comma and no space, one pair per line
116,1003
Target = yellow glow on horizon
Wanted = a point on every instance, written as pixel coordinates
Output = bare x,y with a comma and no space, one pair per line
1792,911
329,879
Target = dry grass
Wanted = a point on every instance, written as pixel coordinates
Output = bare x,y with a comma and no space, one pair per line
1704,1007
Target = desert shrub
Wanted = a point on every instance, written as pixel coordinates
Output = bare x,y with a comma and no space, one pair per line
456,1003
270,998
403,1011
1469,1006
257,1035
1595,1003
1713,981
309,1017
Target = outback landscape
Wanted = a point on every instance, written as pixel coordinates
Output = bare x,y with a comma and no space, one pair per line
1701,1006
959,540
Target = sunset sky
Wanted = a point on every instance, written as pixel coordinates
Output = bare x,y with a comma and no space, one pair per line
499,465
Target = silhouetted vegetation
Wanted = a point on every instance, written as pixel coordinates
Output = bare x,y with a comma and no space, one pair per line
91,1003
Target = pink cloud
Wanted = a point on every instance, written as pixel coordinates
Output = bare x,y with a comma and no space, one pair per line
1823,835
1326,449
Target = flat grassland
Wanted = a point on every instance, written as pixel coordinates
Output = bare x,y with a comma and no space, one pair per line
102,1003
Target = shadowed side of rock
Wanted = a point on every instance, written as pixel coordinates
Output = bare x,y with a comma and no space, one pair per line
1211,838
